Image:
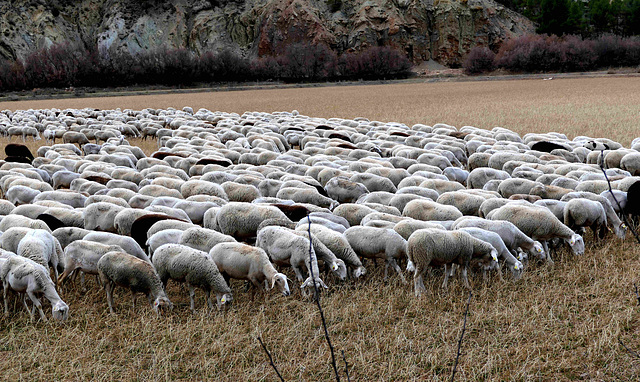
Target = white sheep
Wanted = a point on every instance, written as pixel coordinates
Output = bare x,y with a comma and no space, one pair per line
245,262
384,243
128,244
580,213
496,241
429,247
83,256
193,267
120,268
338,245
203,239
284,247
160,238
539,224
25,276
512,237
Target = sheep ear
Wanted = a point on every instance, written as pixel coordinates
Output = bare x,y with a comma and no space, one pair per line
273,282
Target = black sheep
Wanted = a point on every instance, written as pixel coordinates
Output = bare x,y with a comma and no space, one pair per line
51,221
17,160
547,147
293,212
18,150
633,200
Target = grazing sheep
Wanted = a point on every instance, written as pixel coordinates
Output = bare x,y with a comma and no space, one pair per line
433,247
25,276
580,213
193,267
19,195
539,224
128,244
241,220
203,239
67,235
619,228
331,261
338,244
496,241
160,238
83,255
512,237
285,247
408,226
426,210
119,268
10,221
244,262
371,242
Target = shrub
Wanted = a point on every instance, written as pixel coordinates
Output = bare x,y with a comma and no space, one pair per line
12,75
479,60
223,66
265,68
378,62
60,65
308,62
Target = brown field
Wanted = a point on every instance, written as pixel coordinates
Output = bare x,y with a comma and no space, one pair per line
580,106
556,323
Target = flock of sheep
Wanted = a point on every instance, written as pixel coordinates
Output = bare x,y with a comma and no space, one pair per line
244,196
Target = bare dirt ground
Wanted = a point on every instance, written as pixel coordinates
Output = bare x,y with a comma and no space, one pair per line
562,322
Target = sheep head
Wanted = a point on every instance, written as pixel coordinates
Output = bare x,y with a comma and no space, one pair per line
162,303
60,311
280,280
224,300
621,230
339,269
538,250
577,244
310,282
359,272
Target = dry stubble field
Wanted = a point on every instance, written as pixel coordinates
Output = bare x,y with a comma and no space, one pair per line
556,323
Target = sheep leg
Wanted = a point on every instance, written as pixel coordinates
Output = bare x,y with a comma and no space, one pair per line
36,303
5,285
418,283
134,296
192,293
208,294
464,276
500,273
446,276
397,268
108,287
546,250
66,273
24,303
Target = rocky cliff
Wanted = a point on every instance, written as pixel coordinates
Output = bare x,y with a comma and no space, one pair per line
442,30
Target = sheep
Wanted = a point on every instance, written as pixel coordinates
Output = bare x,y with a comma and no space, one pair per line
338,244
382,243
203,239
120,268
241,220
345,190
168,224
284,247
242,261
127,243
465,202
478,177
429,247
321,221
195,268
619,228
25,276
83,255
426,210
555,206
21,221
160,238
408,226
539,224
331,261
496,241
579,213
19,195
101,216
512,237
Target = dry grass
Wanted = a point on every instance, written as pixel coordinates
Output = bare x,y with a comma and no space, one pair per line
591,106
556,323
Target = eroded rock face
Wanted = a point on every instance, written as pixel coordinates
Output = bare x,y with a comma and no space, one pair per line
443,30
